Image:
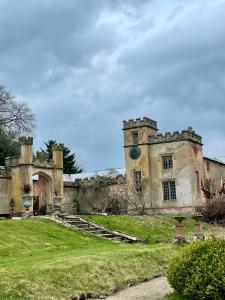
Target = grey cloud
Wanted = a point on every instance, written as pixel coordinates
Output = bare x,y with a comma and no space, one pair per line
84,66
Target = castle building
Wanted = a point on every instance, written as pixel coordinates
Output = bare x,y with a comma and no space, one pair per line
167,169
164,171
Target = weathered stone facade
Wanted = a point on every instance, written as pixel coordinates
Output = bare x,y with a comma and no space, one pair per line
169,167
92,194
166,171
45,178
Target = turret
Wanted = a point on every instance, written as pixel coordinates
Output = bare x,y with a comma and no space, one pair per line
137,131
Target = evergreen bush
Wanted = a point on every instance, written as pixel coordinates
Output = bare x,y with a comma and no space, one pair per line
198,271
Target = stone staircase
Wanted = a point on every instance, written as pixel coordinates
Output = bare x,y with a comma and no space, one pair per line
82,224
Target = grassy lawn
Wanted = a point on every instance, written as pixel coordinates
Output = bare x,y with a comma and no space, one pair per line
173,296
41,259
157,229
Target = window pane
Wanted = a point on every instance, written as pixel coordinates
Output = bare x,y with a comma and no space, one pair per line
169,190
166,191
137,181
135,138
167,162
172,190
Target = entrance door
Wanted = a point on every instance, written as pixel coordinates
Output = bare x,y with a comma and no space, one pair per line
36,205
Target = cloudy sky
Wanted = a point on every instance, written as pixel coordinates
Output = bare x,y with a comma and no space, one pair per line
84,66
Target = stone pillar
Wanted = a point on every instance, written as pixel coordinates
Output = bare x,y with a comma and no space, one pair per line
26,150
179,238
199,234
57,186
57,155
21,174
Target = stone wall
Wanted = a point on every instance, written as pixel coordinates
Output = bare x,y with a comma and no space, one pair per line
4,195
214,169
91,195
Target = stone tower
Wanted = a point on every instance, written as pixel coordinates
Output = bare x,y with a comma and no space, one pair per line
165,169
137,157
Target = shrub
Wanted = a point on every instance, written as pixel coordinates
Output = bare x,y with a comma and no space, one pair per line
113,207
198,271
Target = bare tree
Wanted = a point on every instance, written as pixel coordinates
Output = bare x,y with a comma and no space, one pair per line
129,195
14,115
214,210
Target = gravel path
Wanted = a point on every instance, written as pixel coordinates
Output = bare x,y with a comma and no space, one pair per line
152,290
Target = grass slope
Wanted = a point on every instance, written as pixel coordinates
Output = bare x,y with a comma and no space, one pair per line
158,228
41,259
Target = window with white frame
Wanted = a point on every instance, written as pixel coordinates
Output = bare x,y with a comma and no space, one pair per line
169,190
137,181
167,161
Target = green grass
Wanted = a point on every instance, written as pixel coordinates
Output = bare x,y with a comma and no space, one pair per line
158,228
41,259
173,296
44,260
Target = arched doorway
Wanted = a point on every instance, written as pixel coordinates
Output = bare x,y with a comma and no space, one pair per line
42,193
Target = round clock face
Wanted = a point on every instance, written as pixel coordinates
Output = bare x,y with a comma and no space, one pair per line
135,152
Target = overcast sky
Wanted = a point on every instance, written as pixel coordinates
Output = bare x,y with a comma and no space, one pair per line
84,66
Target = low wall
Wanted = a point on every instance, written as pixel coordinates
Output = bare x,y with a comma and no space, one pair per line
4,195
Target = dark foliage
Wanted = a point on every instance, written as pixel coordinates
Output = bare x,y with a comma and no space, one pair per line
69,160
9,146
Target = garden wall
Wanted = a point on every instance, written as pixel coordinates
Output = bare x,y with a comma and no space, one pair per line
4,194
92,195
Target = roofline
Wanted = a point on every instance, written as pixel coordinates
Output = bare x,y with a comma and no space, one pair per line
214,160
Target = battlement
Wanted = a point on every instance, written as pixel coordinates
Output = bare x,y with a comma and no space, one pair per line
188,134
58,147
26,140
96,182
135,123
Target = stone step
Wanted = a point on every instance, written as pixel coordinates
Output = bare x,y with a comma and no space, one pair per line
98,232
92,229
80,225
109,235
72,220
76,222
86,226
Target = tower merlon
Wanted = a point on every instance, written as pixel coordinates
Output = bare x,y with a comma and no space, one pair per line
26,140
135,123
187,134
57,147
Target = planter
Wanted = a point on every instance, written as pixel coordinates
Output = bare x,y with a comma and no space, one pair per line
197,218
179,218
27,201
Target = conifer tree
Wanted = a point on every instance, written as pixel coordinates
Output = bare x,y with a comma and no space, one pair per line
69,159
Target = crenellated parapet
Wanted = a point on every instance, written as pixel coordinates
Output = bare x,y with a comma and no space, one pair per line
140,122
96,182
26,140
188,134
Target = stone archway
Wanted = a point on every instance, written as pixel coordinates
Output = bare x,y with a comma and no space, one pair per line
42,192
